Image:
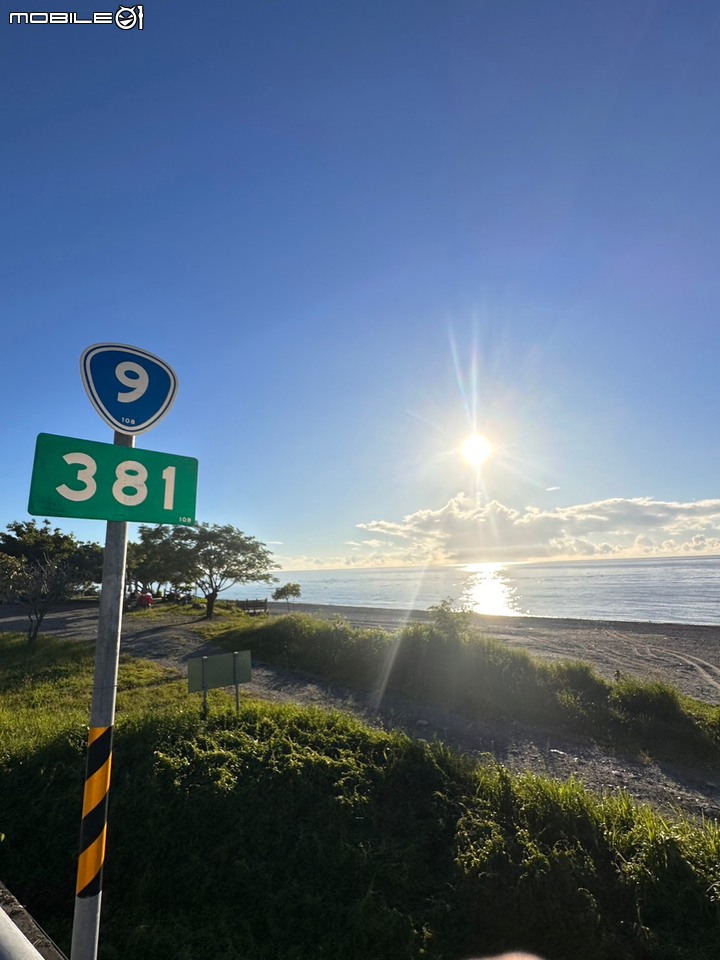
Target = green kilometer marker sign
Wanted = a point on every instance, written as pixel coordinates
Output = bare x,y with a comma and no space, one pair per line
102,481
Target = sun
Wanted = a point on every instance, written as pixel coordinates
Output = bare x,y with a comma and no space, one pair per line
476,449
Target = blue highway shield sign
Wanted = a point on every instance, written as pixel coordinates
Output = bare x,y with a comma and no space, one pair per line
131,389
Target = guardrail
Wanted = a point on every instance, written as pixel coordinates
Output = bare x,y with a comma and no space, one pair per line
20,936
13,944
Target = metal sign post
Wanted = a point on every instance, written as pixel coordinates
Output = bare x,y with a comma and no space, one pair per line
132,391
93,829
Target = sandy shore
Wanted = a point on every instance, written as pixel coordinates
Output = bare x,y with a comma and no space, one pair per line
685,655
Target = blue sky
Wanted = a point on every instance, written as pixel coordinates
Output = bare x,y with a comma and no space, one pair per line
361,231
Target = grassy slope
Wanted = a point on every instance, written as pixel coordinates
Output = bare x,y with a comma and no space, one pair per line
451,664
289,833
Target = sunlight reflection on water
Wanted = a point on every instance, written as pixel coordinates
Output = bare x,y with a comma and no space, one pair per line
488,590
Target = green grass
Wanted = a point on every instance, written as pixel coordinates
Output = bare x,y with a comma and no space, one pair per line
168,611
162,611
287,833
44,693
536,852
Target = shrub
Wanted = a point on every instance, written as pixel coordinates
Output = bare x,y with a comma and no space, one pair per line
647,700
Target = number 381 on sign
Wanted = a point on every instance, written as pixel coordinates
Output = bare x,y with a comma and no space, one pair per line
103,481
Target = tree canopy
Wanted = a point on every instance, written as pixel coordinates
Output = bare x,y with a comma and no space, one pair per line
31,541
155,559
41,566
25,538
212,556
288,592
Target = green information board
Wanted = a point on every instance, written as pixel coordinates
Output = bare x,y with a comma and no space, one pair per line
102,481
220,670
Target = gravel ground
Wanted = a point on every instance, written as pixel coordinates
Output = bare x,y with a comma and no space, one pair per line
686,656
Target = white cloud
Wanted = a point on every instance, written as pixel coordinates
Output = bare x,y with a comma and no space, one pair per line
467,531
368,543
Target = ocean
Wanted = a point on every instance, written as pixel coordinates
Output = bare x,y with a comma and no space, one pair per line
657,590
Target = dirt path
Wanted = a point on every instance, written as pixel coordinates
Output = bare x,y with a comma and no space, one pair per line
686,656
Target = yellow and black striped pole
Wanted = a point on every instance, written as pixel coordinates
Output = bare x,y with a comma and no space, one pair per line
93,830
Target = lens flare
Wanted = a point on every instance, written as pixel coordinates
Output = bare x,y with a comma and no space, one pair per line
476,449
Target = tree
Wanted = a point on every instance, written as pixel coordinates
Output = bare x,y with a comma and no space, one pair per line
27,539
220,556
88,562
156,559
213,556
40,566
287,592
10,569
39,582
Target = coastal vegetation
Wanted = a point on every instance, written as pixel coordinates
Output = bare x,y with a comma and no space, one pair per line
212,557
289,833
41,566
287,592
449,663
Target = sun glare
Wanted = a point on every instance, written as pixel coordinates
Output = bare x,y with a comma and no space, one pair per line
476,449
